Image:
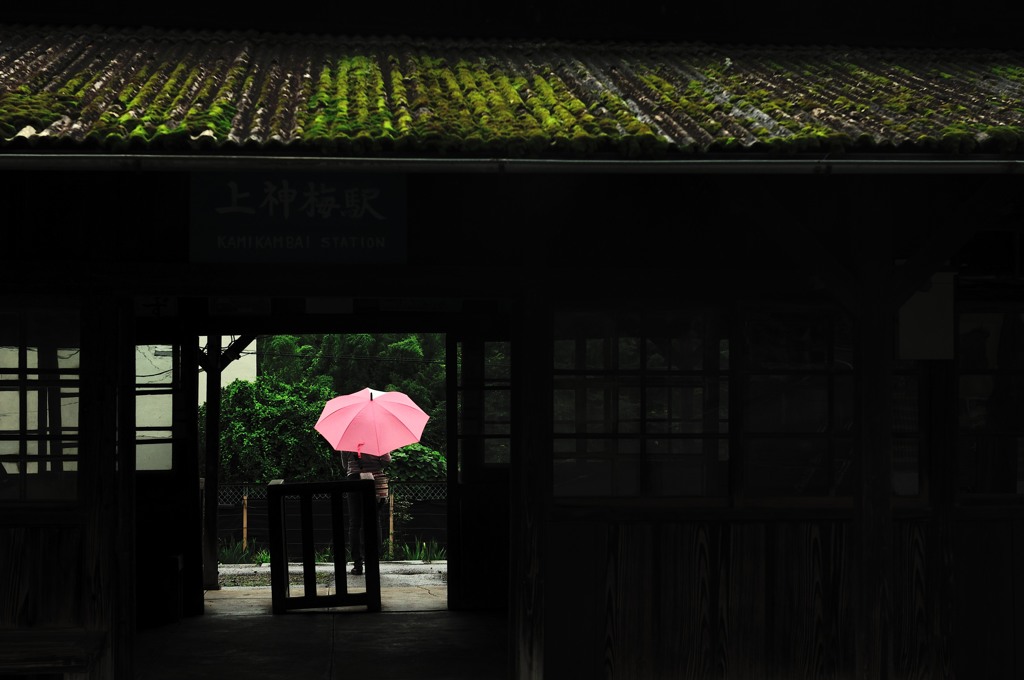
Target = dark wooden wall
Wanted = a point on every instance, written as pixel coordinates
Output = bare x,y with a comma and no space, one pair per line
987,588
771,599
636,595
37,585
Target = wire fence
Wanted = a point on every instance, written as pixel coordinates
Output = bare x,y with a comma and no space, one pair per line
234,494
420,516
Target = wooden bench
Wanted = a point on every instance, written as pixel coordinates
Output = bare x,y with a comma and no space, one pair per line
32,651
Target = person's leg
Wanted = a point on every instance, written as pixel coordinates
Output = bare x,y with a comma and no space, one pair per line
380,528
355,527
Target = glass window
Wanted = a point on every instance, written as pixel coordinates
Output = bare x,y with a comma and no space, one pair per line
786,403
597,467
154,407
497,403
485,406
769,408
990,400
675,408
786,339
907,440
795,379
39,401
640,403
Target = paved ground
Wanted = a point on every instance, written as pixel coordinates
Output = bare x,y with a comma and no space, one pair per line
413,637
404,586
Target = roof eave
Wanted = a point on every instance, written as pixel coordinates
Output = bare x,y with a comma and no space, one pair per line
818,165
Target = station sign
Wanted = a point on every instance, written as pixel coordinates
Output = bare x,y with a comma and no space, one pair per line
298,217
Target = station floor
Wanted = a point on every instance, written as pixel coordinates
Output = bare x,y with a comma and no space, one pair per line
413,637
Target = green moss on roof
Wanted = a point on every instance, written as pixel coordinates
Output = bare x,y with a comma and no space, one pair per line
20,108
457,98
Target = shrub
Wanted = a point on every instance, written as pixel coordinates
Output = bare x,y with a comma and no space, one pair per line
417,463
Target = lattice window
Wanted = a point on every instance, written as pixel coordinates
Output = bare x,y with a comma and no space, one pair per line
640,404
991,400
39,401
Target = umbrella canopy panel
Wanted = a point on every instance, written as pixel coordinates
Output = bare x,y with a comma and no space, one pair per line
371,421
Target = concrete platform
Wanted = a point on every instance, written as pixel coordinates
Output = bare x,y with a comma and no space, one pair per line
414,636
404,586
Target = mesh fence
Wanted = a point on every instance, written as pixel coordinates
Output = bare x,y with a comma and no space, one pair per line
421,517
232,494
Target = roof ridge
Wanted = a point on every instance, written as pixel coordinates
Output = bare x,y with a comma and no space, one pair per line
652,46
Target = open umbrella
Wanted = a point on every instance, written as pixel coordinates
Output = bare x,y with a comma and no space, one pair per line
371,421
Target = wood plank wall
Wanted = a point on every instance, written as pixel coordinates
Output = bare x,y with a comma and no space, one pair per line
986,585
751,599
37,587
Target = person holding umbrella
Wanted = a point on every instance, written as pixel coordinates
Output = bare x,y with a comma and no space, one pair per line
366,426
357,465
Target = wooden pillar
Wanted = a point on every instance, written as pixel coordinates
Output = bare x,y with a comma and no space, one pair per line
874,565
531,488
125,485
107,417
211,580
186,428
454,498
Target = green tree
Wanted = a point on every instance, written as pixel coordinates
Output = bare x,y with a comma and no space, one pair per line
284,356
417,463
267,432
267,424
413,363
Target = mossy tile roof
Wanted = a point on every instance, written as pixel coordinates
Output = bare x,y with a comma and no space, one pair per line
99,90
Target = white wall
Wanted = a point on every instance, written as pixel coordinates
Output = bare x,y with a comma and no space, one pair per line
244,368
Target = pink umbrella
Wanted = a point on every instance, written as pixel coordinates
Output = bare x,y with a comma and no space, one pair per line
371,421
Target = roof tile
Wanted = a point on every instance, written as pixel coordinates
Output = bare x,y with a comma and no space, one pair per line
149,90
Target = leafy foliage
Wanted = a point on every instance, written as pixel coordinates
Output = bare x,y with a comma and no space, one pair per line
417,463
412,363
282,356
267,432
267,424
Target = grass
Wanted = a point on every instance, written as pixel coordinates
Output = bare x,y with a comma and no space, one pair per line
261,556
234,552
424,551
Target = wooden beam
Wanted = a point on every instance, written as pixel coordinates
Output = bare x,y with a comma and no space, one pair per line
235,349
203,360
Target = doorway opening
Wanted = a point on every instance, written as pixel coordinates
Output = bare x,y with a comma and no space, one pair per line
271,389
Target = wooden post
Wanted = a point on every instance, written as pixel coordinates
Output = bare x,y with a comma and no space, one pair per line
245,521
391,526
